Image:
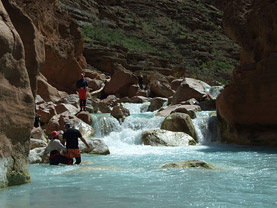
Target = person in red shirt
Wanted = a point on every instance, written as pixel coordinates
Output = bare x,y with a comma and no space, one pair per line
82,86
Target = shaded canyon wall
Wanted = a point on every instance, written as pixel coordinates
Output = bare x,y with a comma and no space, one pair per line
19,66
37,40
247,108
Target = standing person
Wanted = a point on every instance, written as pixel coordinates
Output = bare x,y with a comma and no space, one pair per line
37,118
55,147
70,137
140,81
82,86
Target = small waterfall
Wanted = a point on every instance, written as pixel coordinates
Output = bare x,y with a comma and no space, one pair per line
126,135
206,127
214,90
104,124
136,108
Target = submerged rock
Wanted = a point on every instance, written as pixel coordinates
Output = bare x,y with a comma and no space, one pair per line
194,163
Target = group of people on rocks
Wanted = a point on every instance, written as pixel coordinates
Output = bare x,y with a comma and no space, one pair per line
65,150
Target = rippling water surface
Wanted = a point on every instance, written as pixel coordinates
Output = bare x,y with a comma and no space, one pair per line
132,177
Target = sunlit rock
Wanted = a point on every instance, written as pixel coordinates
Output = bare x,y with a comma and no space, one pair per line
62,107
97,147
37,155
190,88
160,137
35,143
188,109
179,122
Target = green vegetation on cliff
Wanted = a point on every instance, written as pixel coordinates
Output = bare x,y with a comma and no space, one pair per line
187,36
91,33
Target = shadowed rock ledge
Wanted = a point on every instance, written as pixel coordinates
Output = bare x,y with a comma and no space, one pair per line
247,107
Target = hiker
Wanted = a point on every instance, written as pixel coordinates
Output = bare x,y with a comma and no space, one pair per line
140,81
70,138
37,118
55,147
82,86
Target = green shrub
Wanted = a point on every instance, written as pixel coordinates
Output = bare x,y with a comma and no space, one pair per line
92,33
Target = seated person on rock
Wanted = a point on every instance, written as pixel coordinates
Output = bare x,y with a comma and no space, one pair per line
55,147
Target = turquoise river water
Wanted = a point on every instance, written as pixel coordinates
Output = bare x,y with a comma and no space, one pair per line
132,177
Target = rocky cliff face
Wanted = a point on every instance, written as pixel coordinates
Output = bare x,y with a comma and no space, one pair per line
247,107
170,36
21,55
64,59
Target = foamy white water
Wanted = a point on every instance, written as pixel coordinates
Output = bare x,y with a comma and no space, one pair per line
131,176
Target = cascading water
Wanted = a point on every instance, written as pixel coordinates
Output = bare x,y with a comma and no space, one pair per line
127,135
131,176
206,127
104,124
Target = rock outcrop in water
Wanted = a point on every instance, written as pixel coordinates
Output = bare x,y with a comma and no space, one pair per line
194,163
21,56
247,107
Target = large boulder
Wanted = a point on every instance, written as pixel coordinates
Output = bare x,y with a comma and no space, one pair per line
48,92
120,113
156,103
190,88
247,107
161,137
159,85
188,109
85,116
120,82
20,60
98,147
179,122
46,111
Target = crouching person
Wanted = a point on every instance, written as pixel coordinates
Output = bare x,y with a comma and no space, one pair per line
55,147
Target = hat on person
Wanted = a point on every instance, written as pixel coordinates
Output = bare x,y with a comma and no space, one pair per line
54,134
68,124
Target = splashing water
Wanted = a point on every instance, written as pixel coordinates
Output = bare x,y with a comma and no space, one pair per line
131,176
206,127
